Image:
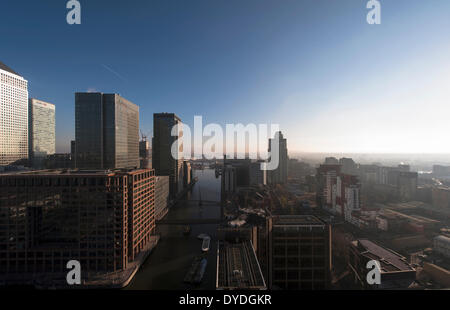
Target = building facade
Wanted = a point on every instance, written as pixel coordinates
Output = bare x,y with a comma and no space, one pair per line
49,217
106,131
395,271
145,159
279,175
163,161
161,196
300,252
13,117
41,131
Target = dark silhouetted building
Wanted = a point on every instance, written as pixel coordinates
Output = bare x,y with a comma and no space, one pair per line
280,174
106,131
103,219
300,252
162,160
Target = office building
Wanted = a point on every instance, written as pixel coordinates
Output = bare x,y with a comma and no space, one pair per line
326,184
106,131
440,197
163,161
161,196
41,131
103,219
257,176
396,272
73,154
407,185
13,117
279,175
300,252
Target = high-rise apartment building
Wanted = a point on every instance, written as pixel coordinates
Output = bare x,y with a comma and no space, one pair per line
163,161
279,175
41,131
103,219
13,117
106,131
300,252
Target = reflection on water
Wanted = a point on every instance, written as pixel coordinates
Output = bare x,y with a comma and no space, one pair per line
167,265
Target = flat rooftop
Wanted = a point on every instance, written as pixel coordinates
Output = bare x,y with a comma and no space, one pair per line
390,261
238,267
297,220
67,172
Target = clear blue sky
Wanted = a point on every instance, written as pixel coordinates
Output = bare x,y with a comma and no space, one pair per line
332,82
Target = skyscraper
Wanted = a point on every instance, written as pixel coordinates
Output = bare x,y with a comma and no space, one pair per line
279,175
163,161
41,134
106,131
13,116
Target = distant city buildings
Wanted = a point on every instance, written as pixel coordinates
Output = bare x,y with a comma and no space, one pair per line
163,161
41,135
13,117
145,157
441,171
106,131
440,197
257,176
441,244
280,174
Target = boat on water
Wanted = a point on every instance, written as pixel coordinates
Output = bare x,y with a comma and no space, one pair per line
205,244
202,236
187,230
200,271
196,271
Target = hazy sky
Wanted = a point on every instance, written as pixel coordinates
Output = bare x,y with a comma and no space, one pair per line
332,82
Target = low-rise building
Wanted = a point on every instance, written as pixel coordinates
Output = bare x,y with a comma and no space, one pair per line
396,272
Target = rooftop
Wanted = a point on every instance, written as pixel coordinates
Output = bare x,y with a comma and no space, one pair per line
238,267
297,220
67,172
390,261
8,69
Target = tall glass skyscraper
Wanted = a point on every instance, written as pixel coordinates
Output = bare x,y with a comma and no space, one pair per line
106,131
13,117
162,160
279,175
41,135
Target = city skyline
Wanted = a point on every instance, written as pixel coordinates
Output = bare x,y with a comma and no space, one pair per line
237,67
